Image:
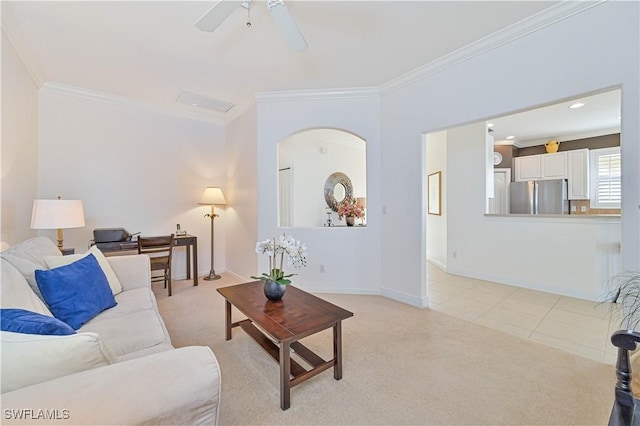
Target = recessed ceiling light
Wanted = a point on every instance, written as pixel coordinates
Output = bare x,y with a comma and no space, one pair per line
510,137
576,105
489,124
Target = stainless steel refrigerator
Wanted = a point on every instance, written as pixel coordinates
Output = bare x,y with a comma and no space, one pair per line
539,197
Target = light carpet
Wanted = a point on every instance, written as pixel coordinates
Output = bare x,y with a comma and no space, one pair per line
402,366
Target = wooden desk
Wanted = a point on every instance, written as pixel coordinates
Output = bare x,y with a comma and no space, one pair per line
282,324
191,243
188,241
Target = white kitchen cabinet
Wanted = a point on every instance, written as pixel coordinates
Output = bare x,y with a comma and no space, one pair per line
578,174
553,166
527,168
541,167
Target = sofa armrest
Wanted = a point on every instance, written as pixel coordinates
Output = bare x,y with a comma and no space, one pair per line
133,271
180,386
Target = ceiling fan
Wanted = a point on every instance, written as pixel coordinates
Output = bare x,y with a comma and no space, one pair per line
219,13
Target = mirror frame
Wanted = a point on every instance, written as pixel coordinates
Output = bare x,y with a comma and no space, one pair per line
330,184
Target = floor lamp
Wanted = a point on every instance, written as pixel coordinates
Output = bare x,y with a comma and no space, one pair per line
211,197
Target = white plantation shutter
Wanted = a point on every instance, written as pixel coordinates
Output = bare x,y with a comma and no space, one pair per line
606,178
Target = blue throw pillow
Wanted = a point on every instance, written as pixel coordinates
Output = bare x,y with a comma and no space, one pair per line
77,292
23,321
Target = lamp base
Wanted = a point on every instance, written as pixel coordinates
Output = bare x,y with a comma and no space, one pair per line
212,276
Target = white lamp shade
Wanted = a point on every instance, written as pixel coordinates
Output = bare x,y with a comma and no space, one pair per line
211,196
57,214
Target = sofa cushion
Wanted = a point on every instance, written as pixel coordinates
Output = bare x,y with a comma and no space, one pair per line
114,282
21,321
28,256
77,292
15,291
131,332
35,359
130,301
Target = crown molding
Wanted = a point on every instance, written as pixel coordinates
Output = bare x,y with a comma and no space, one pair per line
23,50
564,10
322,94
94,95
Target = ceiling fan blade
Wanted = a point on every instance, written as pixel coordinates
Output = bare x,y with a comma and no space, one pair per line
215,16
287,25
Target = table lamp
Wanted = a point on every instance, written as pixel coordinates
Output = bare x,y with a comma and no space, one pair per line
57,214
212,196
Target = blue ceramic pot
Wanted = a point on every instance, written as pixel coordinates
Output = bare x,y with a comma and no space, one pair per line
273,290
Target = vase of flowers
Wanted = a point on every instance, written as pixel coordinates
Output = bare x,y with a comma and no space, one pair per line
350,210
276,280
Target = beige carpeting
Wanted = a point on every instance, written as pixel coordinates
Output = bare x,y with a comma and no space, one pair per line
402,365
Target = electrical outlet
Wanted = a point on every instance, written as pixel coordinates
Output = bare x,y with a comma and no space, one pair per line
574,209
583,208
321,268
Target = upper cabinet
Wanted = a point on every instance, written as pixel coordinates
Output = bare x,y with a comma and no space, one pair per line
553,166
578,174
527,168
541,167
571,165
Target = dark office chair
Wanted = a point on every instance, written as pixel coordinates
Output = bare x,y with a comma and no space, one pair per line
159,250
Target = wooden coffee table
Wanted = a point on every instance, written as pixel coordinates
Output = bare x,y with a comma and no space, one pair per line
298,315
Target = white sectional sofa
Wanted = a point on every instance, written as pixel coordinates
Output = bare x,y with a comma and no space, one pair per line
120,367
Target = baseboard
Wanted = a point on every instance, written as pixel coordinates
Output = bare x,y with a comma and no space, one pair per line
562,291
420,302
437,263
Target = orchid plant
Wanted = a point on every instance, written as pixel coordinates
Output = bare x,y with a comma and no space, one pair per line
350,207
277,249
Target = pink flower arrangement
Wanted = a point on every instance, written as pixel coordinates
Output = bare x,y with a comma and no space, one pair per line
349,207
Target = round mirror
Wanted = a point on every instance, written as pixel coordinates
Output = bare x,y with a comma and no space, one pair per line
337,188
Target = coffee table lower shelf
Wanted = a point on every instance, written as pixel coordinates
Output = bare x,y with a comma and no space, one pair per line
297,372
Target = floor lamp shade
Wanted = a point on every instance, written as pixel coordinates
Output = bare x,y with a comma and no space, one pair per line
212,196
57,214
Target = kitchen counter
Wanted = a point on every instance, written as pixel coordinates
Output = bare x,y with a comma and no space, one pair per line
563,217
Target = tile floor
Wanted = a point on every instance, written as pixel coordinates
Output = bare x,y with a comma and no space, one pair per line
574,325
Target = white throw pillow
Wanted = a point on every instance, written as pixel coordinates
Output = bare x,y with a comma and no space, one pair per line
114,282
16,292
28,359
28,255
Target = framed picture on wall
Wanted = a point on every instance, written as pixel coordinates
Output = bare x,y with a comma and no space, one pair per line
434,200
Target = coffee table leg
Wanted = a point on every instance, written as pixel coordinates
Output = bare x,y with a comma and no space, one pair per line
337,350
227,322
285,373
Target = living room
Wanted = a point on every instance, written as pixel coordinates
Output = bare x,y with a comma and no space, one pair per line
145,166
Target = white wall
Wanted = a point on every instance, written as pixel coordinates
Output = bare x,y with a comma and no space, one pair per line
242,195
436,161
589,51
19,147
132,167
351,256
313,159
